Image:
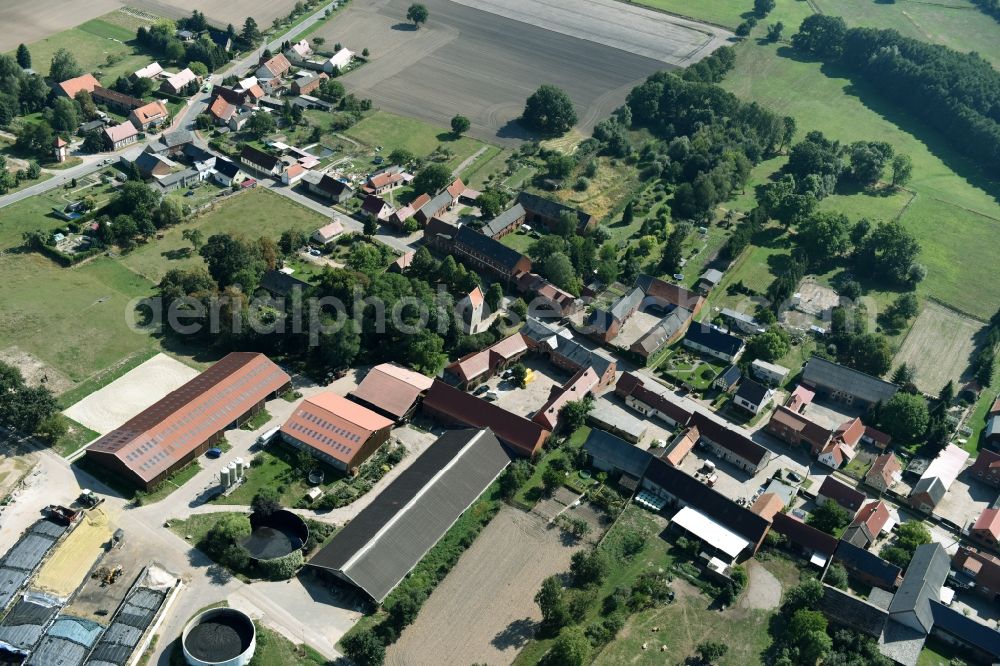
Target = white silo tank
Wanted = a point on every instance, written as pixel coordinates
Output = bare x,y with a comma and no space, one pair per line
224,477
240,468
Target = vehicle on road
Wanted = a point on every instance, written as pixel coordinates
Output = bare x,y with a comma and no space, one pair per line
213,452
481,390
491,396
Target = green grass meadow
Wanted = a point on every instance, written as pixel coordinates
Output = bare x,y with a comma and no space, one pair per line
92,42
391,132
953,207
258,212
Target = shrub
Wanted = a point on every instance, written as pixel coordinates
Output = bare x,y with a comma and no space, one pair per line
281,568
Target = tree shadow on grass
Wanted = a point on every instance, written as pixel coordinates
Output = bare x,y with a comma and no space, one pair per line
935,141
405,27
177,254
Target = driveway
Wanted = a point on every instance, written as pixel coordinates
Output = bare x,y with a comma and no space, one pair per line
763,588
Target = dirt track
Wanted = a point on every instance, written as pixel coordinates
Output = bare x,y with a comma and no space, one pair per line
484,610
484,64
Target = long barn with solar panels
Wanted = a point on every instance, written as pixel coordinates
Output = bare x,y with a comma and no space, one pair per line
161,439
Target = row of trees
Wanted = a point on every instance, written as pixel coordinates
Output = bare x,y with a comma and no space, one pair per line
11,179
956,93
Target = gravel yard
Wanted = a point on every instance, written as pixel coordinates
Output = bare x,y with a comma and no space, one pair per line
484,610
109,407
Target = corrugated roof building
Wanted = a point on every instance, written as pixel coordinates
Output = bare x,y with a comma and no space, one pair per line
391,390
390,536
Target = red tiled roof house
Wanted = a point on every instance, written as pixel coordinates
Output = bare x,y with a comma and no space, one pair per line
336,430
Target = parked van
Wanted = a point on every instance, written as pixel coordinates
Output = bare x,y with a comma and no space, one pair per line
266,438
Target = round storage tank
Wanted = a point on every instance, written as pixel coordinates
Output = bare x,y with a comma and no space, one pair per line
219,637
275,535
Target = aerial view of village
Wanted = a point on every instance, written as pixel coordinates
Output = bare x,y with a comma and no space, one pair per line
489,332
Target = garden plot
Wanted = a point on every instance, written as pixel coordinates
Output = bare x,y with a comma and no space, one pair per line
939,346
109,407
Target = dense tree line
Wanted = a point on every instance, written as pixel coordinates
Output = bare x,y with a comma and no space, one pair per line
713,68
713,139
235,265
956,93
161,40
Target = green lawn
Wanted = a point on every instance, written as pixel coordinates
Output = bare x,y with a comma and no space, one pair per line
730,13
101,379
91,43
391,132
531,491
279,470
686,367
73,319
36,212
196,526
274,648
954,204
977,421
490,162
257,420
857,468
681,626
957,24
76,437
258,212
203,192
519,241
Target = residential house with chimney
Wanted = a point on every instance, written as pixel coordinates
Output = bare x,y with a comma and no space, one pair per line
884,473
